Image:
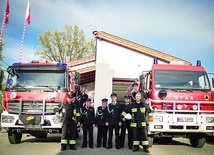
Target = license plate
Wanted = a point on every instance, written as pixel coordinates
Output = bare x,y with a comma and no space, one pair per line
184,119
33,112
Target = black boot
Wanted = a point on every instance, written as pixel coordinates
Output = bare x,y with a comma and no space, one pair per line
63,147
135,148
146,149
72,147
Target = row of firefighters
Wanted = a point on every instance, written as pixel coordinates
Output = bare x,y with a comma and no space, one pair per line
130,116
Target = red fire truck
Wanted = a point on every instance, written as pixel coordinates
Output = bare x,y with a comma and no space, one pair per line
32,91
181,102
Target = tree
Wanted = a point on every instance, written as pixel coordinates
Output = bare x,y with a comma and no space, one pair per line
68,44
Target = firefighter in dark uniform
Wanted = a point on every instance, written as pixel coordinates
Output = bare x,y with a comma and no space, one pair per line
134,92
82,96
87,123
69,121
100,121
114,121
126,125
138,111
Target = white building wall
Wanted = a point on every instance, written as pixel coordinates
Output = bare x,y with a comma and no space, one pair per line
82,66
113,61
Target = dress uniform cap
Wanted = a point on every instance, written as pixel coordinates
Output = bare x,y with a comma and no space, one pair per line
113,94
84,85
104,100
88,100
127,97
135,84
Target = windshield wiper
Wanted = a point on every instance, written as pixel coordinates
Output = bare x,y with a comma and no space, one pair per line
204,90
178,89
173,89
46,87
20,86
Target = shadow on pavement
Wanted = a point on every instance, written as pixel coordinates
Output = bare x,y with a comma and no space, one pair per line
210,140
165,141
52,138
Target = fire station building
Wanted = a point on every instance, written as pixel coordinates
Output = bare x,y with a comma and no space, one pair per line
116,64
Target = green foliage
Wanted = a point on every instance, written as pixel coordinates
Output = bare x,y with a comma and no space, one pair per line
70,42
1,51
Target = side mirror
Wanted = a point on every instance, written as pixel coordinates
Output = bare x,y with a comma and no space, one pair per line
213,82
77,78
1,76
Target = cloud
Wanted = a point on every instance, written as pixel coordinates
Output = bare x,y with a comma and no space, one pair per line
180,28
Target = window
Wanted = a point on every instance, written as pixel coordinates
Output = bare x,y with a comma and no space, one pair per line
173,79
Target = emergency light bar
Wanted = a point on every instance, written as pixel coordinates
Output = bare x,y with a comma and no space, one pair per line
40,61
198,63
16,64
61,64
155,61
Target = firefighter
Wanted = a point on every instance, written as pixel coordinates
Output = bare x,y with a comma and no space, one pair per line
82,96
114,121
87,123
70,119
100,121
138,111
134,92
126,125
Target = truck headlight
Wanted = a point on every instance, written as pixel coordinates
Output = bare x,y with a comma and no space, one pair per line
13,95
209,119
158,118
55,120
7,119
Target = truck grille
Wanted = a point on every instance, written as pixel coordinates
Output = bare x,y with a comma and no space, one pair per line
14,106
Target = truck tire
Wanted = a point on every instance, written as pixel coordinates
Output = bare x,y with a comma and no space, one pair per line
14,137
151,141
197,142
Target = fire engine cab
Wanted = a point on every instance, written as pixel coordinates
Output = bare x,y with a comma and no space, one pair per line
32,91
181,102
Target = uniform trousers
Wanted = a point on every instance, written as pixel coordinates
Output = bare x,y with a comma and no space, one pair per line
87,128
140,135
126,126
102,135
116,128
68,135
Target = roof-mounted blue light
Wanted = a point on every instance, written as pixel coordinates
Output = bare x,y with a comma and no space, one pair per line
16,64
198,63
155,61
61,64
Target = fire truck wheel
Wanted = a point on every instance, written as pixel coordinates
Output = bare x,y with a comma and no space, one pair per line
197,142
14,137
151,140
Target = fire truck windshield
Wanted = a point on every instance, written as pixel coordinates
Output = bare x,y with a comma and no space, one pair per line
187,80
37,78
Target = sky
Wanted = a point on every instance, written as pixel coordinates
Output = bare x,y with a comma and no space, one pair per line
181,28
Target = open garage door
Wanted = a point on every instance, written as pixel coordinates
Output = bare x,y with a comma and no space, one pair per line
120,87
